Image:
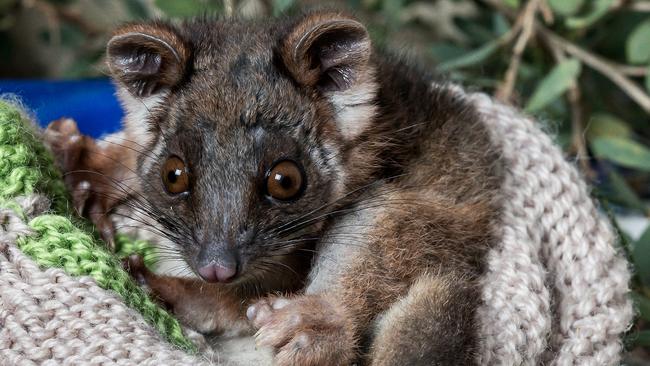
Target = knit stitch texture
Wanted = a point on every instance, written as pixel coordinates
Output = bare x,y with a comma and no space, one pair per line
54,239
556,291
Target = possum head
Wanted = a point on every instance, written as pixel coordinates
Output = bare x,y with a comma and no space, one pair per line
245,131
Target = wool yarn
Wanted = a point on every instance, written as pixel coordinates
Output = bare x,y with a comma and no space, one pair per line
555,292
557,288
43,228
48,317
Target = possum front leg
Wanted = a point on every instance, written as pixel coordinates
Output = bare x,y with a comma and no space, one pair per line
99,176
305,330
409,297
432,325
207,308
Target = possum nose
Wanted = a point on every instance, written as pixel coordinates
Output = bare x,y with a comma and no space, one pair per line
218,273
218,261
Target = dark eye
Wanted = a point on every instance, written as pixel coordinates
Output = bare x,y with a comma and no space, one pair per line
174,175
285,181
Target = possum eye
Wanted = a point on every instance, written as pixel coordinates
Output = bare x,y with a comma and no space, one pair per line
285,181
174,175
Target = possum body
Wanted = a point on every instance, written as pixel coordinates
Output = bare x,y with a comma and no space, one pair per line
290,156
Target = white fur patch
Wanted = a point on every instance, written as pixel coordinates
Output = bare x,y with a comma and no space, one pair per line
117,138
354,107
341,244
453,88
174,267
150,158
138,111
332,160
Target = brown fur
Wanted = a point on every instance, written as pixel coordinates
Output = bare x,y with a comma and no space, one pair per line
108,170
306,54
307,330
418,329
426,250
400,172
427,255
161,72
98,177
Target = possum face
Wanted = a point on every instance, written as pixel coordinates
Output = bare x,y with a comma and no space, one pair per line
245,129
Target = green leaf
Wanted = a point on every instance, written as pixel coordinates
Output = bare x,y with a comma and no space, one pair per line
637,46
603,124
445,51
566,7
392,9
563,139
641,257
136,9
512,3
187,8
599,8
173,8
554,84
500,24
470,58
478,32
280,6
640,338
71,36
647,79
621,192
622,151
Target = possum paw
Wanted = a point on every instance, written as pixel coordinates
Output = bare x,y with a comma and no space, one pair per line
304,330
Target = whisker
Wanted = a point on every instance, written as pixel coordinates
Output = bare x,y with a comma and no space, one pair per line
109,141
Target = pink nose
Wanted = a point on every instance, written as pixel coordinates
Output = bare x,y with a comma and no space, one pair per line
217,273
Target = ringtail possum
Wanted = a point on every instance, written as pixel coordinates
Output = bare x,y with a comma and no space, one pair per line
333,199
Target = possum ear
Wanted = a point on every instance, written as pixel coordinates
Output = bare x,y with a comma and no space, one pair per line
327,50
331,52
147,58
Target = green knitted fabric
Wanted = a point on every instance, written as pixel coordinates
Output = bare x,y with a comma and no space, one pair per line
59,239
25,165
125,246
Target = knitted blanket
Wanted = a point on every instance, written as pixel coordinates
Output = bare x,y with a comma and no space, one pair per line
556,291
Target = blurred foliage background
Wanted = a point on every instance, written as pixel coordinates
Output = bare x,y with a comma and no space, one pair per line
581,66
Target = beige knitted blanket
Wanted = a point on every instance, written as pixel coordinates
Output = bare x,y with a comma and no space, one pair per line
556,291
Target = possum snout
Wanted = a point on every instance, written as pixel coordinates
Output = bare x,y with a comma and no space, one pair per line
218,262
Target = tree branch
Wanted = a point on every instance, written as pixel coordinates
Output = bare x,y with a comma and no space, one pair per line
527,21
601,65
574,96
640,6
643,6
609,69
634,71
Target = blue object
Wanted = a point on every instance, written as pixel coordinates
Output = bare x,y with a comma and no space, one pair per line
92,103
